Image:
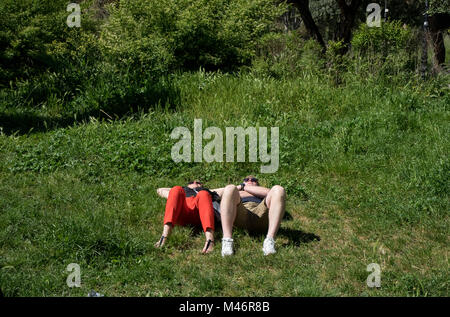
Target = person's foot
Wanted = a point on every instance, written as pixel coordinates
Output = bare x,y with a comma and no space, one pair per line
209,246
227,246
269,246
161,242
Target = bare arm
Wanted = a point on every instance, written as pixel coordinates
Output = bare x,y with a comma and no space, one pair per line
219,191
257,191
163,192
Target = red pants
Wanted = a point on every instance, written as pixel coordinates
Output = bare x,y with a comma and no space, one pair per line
182,210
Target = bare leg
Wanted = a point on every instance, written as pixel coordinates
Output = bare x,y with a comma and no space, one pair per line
276,203
209,235
166,232
228,209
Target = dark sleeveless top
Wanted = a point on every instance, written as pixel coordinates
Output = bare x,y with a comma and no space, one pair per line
252,199
193,192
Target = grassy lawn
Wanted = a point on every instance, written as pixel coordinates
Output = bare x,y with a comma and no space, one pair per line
365,166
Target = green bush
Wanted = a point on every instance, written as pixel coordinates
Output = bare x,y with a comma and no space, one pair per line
189,34
287,55
337,63
439,6
29,31
389,49
51,72
130,41
390,37
73,73
45,62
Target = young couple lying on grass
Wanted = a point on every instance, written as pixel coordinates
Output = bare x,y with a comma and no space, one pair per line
247,206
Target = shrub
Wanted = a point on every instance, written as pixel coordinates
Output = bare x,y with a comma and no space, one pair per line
389,49
189,34
439,6
130,41
287,55
390,37
337,63
112,65
45,62
29,31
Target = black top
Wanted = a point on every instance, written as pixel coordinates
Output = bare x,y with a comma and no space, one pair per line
193,192
251,198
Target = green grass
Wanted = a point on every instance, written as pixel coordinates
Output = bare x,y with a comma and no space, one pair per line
365,165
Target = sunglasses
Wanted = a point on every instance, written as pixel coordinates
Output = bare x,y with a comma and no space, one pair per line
251,180
195,182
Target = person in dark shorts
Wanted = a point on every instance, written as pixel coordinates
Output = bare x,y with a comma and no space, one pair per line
251,207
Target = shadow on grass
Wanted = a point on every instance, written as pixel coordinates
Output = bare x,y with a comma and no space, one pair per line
298,237
27,122
287,216
295,237
30,120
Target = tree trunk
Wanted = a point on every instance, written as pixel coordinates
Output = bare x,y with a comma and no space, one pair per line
438,23
438,47
348,17
303,7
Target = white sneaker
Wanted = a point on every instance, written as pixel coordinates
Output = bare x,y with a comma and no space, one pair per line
227,246
269,246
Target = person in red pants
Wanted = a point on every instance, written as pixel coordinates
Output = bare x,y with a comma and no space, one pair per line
191,205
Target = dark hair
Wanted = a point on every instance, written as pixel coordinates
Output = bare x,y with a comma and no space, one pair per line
195,181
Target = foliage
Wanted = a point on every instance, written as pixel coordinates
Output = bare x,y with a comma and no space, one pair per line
392,36
327,16
116,65
337,62
29,32
287,55
194,33
409,12
439,6
391,48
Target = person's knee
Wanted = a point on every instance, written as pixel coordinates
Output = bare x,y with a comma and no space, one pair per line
230,187
203,194
278,191
231,193
177,189
229,190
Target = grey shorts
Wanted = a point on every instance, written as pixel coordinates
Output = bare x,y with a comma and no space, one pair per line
252,216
